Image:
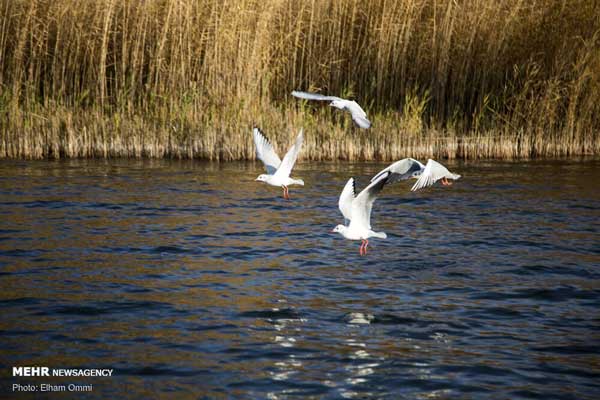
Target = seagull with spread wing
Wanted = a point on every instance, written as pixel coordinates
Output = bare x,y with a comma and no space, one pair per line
426,175
278,172
357,209
358,114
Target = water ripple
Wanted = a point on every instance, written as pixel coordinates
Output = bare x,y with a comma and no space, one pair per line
192,280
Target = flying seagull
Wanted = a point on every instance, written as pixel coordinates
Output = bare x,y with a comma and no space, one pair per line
278,172
358,114
426,175
357,209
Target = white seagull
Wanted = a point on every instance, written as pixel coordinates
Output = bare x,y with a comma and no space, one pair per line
278,172
358,114
426,175
357,209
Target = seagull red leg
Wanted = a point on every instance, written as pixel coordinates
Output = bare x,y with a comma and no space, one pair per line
366,244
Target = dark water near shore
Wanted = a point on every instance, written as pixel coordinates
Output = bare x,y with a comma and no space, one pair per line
191,280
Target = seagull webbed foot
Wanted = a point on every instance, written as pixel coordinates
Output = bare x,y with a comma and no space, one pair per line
363,247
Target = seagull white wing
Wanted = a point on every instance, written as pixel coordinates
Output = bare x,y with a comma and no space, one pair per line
361,121
401,170
313,96
433,172
355,109
346,199
359,116
363,203
265,152
289,160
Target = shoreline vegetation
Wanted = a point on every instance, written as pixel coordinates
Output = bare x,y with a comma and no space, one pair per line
189,79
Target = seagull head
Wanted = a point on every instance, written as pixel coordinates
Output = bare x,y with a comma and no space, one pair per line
339,229
262,178
337,104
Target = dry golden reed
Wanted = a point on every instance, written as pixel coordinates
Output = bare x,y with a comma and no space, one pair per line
177,78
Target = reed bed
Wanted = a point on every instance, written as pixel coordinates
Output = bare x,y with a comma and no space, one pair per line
176,78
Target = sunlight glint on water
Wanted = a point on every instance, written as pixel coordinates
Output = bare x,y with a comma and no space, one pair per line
190,279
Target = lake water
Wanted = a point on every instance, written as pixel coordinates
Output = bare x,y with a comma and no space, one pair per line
191,280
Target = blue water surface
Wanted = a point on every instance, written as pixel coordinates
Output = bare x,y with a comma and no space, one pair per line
191,280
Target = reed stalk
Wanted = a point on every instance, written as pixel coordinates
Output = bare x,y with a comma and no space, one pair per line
189,79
